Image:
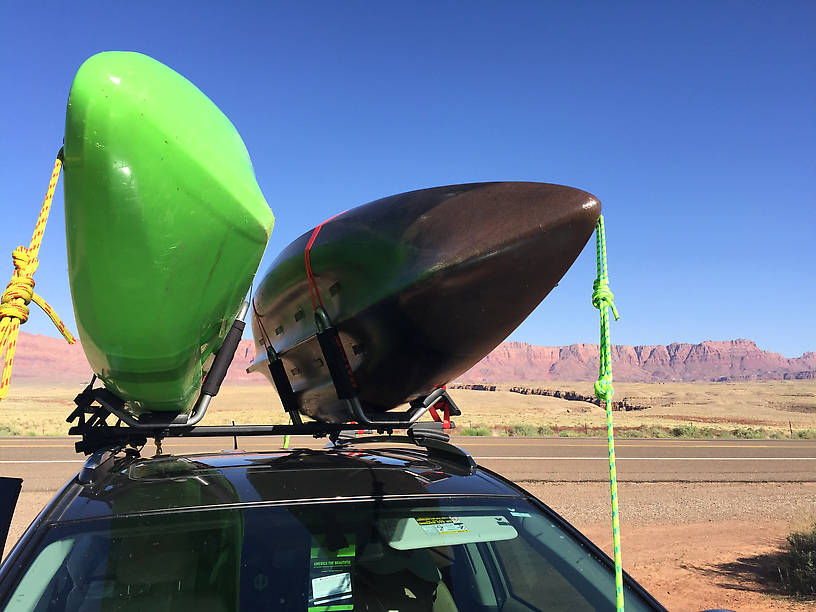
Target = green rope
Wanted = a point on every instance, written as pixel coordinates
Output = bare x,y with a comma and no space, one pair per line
602,299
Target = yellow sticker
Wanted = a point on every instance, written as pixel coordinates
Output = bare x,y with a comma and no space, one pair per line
439,525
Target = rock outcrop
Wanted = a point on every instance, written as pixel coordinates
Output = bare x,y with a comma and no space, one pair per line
729,360
47,359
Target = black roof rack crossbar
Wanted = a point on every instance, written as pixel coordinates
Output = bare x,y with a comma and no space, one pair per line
108,436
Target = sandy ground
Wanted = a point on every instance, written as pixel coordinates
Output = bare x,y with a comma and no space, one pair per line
779,406
775,405
695,546
41,410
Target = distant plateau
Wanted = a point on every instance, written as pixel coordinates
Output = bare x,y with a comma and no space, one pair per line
46,359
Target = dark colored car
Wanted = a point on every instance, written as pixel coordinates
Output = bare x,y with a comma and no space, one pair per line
354,527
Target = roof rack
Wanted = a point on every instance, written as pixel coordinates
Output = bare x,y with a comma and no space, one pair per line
347,387
96,405
430,436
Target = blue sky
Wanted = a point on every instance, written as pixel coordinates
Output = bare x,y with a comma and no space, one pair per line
694,123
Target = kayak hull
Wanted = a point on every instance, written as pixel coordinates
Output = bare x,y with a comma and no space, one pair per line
420,286
165,227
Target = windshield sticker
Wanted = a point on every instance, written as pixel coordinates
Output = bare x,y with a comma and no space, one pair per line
331,589
441,525
330,574
411,533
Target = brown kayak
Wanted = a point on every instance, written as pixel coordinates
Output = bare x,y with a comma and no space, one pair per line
420,287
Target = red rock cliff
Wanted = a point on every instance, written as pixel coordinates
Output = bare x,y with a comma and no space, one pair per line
42,358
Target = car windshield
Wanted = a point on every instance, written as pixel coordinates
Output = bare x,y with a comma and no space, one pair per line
380,555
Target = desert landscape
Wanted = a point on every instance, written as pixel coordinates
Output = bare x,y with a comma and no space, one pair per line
44,358
719,541
444,179
761,409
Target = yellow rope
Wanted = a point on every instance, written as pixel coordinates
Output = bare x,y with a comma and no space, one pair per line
20,290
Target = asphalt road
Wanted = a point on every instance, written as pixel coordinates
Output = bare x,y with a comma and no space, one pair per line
46,464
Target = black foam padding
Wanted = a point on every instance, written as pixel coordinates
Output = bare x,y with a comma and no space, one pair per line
223,359
284,387
338,363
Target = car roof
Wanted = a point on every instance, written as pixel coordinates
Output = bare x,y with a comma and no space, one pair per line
126,485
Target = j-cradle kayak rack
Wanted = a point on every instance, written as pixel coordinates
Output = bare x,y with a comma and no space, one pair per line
95,405
347,387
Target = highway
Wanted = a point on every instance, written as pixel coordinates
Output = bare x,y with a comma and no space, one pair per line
47,463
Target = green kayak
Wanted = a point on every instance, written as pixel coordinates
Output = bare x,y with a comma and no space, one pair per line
165,224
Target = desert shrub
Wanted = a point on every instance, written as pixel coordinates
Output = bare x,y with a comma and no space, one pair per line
806,434
748,433
545,430
691,431
570,433
6,431
639,432
526,431
474,431
777,435
644,431
797,569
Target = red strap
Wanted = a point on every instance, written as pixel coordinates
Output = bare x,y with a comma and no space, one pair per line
260,323
442,403
313,292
